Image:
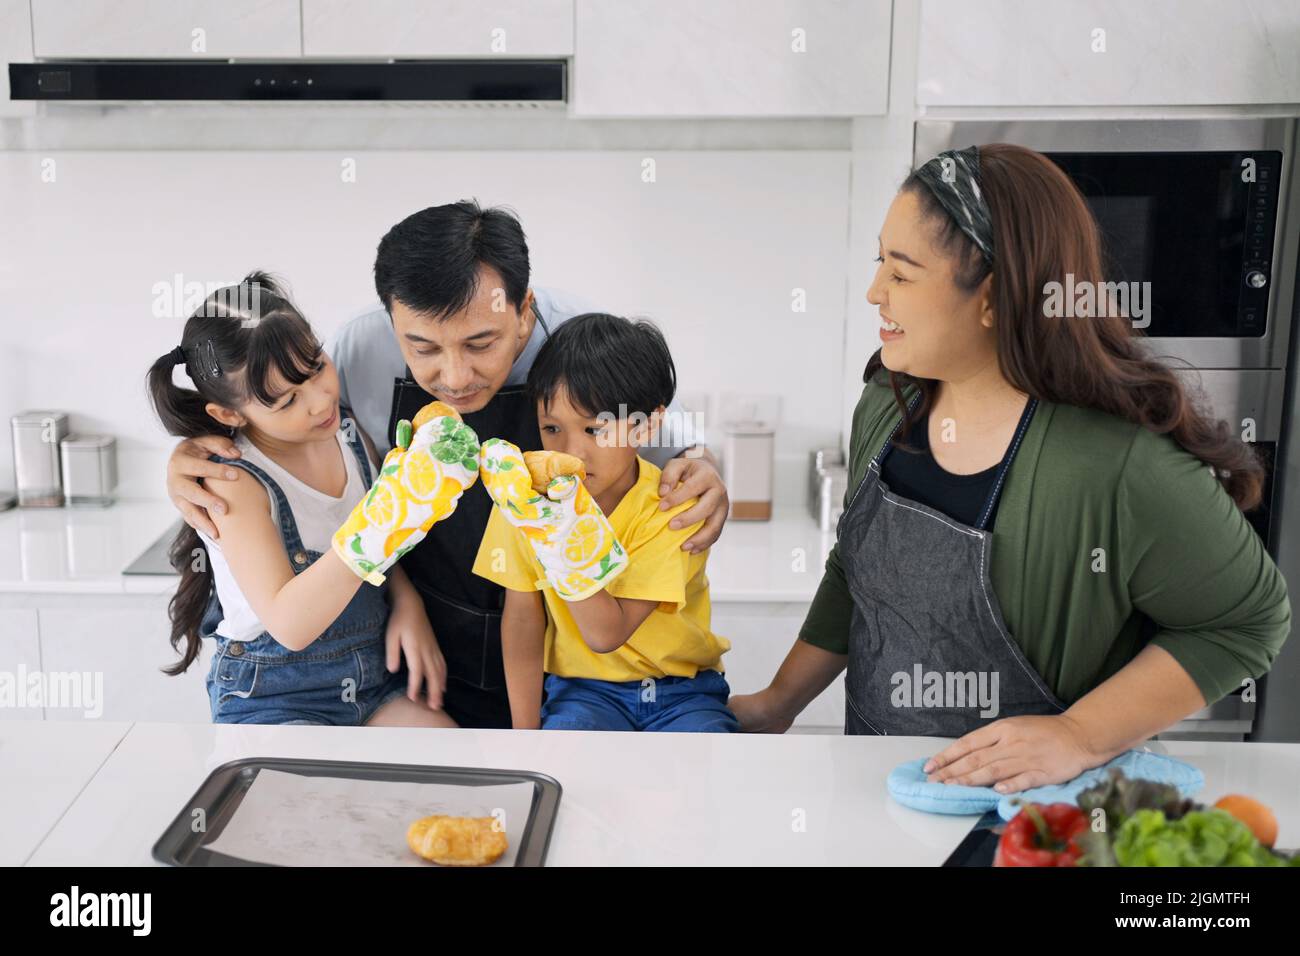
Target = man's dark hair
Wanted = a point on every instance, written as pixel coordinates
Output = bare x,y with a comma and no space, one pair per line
604,362
430,260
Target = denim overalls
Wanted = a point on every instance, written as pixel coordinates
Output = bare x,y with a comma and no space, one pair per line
340,678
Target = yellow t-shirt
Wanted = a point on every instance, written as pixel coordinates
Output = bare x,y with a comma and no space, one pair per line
674,641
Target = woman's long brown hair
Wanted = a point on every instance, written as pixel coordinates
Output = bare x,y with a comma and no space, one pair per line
1043,230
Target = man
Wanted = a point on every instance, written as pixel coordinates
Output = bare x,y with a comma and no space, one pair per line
461,325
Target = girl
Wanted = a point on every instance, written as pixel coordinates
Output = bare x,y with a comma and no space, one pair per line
299,639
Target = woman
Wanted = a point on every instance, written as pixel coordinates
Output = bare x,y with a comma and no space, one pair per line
1034,556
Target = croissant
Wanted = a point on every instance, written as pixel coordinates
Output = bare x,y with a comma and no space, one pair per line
545,465
457,841
433,410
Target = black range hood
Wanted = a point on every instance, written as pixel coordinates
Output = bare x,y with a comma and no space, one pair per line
541,81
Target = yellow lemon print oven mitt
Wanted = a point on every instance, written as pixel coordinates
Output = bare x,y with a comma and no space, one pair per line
570,535
419,484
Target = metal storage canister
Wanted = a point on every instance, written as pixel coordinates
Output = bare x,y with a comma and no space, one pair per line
830,503
36,457
89,469
828,477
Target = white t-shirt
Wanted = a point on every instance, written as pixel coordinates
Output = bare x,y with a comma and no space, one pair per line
368,359
317,515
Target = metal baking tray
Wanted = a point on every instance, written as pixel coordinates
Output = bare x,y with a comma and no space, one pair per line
222,792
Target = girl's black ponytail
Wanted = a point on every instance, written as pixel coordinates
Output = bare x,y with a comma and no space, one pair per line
188,604
183,413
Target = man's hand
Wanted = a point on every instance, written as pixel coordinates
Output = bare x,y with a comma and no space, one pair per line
188,463
694,474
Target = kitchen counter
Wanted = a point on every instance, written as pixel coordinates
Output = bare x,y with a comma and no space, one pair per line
780,560
44,766
629,799
83,551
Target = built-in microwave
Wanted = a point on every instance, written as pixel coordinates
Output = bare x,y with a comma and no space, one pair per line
1196,208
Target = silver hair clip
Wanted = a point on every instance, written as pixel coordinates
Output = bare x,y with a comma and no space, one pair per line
206,359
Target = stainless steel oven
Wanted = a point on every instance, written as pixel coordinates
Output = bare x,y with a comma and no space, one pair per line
1208,212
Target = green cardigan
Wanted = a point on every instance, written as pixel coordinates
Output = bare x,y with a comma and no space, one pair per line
1182,567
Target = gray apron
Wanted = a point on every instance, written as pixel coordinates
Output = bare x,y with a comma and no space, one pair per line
929,653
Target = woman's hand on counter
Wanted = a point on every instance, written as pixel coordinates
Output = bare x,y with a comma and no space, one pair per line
806,671
760,713
188,463
1016,753
1149,694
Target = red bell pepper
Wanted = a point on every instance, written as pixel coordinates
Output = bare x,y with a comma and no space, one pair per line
1042,835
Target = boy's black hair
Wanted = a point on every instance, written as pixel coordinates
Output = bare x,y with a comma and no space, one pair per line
605,364
430,260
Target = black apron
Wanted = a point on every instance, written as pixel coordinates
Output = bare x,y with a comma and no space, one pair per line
927,640
465,609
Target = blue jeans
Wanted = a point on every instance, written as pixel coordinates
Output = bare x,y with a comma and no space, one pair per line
265,686
676,704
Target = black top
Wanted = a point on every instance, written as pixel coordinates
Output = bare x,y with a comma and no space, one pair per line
916,475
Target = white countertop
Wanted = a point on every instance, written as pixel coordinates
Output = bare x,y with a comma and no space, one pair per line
83,551
43,767
777,560
629,799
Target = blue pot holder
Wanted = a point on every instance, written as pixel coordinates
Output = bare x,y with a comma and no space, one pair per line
907,785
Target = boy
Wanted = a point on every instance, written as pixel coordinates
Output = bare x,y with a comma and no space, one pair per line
619,636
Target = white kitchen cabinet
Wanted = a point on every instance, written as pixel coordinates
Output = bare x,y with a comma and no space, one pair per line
720,58
15,47
124,641
20,657
437,28
121,642
761,635
1108,52
178,29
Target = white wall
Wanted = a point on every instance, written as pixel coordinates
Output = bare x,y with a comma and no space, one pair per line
711,250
